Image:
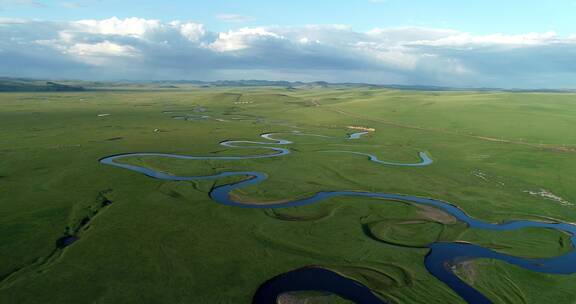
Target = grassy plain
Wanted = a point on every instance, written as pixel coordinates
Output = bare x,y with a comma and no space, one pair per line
167,242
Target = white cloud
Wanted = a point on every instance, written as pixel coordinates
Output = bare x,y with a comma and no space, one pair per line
146,48
100,53
192,31
100,49
396,56
8,21
466,39
401,35
242,39
128,27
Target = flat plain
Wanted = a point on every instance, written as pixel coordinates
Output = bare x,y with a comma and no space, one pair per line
498,156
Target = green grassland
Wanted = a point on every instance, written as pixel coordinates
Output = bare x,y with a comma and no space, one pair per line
167,242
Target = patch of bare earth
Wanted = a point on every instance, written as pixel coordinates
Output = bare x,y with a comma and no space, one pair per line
549,196
292,298
436,214
467,270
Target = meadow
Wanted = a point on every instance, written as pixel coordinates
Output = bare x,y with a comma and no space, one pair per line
499,156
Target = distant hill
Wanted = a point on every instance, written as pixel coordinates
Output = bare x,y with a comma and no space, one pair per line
31,85
296,84
238,83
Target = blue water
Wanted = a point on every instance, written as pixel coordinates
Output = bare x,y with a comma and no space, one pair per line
357,135
314,279
441,255
425,160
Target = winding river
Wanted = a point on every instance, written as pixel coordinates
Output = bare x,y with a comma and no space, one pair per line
437,262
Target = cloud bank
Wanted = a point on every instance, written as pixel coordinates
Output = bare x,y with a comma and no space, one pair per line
140,49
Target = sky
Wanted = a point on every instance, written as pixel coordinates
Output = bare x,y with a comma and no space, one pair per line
506,44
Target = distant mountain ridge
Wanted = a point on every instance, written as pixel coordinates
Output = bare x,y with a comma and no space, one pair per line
8,84
295,84
32,85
